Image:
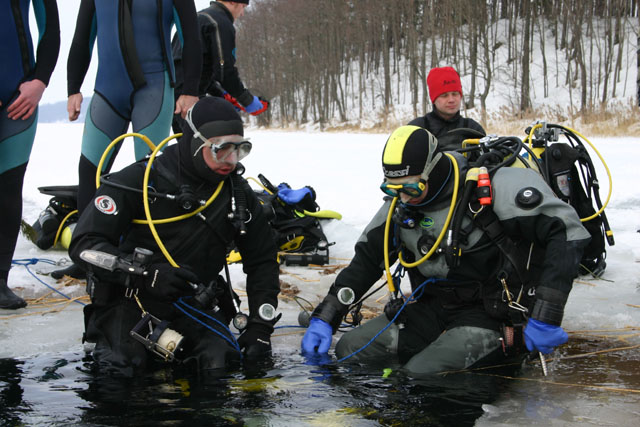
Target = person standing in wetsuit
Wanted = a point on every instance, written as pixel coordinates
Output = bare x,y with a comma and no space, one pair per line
135,78
23,79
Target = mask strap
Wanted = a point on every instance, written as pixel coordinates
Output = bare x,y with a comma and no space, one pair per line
431,159
196,133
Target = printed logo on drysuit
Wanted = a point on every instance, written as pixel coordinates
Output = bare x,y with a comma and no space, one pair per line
427,222
106,205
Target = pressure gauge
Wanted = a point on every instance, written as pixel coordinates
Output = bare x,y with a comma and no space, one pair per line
240,321
267,312
346,296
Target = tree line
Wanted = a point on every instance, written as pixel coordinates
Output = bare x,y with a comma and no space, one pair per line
324,60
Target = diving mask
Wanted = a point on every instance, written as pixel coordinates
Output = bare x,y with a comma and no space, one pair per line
223,146
412,189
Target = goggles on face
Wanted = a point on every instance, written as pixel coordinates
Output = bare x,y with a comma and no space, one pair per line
412,189
222,150
221,147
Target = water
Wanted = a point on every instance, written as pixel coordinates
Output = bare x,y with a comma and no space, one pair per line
63,389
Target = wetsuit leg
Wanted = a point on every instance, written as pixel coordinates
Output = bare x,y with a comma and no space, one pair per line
457,348
152,112
116,352
102,125
385,344
16,141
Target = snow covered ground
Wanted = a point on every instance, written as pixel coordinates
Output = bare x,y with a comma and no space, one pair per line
344,169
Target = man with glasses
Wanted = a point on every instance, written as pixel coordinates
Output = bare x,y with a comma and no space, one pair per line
487,256
200,206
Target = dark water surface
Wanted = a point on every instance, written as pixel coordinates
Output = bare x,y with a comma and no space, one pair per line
62,390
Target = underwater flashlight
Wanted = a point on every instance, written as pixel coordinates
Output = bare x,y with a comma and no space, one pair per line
156,336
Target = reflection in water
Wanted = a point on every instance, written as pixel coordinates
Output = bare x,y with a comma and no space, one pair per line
279,391
64,389
11,403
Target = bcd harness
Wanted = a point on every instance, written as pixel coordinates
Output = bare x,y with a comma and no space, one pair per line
515,269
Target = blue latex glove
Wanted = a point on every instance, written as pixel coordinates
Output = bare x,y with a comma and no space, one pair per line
543,337
317,338
291,197
257,106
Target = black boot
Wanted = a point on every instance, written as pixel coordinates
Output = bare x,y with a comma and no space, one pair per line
73,271
9,300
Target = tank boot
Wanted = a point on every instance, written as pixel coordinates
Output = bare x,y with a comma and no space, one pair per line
9,300
73,271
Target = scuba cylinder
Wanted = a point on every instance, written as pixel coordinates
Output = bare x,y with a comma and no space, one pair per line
570,172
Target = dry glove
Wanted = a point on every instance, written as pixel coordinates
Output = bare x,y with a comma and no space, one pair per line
256,340
257,106
543,337
317,338
166,282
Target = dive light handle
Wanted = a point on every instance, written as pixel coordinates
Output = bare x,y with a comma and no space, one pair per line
112,262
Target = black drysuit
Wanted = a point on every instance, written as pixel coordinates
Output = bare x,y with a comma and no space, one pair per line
199,243
456,320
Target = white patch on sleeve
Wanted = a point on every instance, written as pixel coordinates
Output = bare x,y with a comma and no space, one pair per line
106,205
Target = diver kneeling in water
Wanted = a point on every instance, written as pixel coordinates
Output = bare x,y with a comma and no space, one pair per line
501,277
157,288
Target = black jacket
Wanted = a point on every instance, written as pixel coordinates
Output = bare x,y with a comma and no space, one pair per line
199,242
441,129
217,38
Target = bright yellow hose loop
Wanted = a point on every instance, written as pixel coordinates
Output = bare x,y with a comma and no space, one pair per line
260,184
145,201
61,227
454,198
183,216
589,218
387,227
113,144
468,142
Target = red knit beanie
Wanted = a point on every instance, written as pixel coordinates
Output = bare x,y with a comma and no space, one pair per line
443,80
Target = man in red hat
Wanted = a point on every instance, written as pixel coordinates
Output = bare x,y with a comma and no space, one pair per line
445,91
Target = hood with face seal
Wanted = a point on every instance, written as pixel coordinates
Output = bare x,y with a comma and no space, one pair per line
208,118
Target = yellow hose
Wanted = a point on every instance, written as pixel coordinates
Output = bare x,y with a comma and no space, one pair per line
113,144
589,218
387,228
145,201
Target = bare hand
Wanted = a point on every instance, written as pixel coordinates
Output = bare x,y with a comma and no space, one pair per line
74,102
25,105
183,104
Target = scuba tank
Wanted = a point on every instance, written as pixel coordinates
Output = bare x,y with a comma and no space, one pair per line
569,171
